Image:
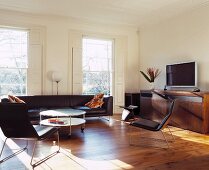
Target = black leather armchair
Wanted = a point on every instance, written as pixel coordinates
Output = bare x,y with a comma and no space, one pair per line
15,124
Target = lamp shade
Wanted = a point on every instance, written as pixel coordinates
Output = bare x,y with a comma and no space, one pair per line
56,77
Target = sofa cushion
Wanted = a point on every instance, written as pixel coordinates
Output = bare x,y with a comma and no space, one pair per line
91,111
35,113
96,102
15,99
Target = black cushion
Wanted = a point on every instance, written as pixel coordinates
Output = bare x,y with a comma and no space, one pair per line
146,124
91,111
5,100
34,114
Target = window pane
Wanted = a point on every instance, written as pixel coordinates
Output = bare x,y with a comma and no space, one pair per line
13,57
95,82
13,81
97,66
13,48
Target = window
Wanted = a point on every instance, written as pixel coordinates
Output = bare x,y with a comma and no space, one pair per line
97,66
13,57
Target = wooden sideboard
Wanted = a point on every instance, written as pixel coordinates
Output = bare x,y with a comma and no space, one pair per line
191,110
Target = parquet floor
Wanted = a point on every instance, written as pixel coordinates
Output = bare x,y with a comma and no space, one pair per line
105,146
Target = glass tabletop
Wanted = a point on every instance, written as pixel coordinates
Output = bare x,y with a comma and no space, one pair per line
64,112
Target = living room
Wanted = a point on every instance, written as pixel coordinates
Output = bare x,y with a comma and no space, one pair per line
170,33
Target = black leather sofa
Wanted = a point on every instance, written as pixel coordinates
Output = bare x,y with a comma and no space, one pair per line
38,103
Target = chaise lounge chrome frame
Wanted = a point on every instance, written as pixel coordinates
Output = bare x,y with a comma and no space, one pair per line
154,126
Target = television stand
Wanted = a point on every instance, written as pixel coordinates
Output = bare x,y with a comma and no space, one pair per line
191,110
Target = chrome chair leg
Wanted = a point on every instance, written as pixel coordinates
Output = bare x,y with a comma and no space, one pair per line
58,141
171,133
11,155
47,157
3,147
34,146
130,131
165,138
104,117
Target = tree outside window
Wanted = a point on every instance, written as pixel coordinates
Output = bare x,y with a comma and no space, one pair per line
97,66
13,61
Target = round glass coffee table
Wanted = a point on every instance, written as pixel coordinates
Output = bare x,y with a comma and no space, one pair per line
65,117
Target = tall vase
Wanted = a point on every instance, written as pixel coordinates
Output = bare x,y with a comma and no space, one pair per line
152,85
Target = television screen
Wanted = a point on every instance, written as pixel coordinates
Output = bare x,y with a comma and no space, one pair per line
181,75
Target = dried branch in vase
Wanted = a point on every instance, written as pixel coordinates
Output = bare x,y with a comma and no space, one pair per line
151,74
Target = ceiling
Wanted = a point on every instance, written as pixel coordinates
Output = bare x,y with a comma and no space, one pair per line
128,12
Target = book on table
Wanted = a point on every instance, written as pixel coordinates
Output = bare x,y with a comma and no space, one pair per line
57,121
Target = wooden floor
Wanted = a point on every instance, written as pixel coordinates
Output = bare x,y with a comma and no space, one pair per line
105,145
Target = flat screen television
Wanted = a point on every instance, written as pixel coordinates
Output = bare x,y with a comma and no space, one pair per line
181,74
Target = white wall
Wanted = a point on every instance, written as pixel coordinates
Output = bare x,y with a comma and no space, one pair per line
55,45
183,38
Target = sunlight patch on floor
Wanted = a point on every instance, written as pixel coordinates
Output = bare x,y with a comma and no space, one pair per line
71,161
100,164
186,135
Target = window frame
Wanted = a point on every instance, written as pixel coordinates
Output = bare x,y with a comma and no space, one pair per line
110,71
18,68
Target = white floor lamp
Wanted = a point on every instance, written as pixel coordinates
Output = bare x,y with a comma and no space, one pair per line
56,77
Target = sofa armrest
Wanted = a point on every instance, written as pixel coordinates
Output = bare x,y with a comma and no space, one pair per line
108,105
